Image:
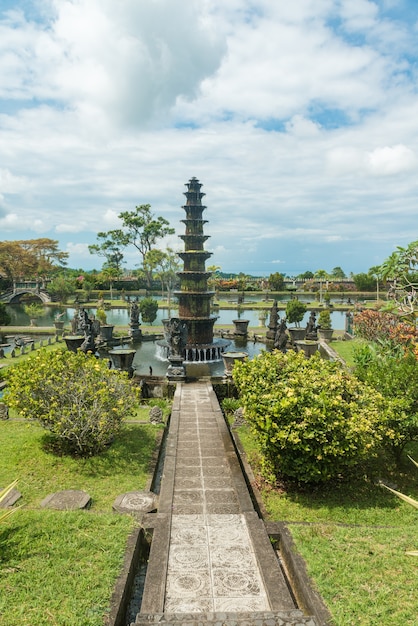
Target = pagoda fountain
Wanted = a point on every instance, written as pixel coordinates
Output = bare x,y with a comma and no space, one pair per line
194,297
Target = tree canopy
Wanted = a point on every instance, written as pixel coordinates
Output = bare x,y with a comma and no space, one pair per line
30,258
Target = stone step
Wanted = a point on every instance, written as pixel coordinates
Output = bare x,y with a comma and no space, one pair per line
262,618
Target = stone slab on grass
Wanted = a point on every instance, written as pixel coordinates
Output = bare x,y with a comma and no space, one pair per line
69,500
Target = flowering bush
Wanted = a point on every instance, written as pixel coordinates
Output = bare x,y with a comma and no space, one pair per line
73,395
385,328
313,420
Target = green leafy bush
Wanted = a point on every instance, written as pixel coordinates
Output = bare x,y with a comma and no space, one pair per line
324,320
295,310
395,376
73,395
312,419
148,308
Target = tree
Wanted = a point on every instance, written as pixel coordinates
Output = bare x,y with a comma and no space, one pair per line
61,287
364,282
142,230
306,276
110,248
148,308
276,281
5,318
338,273
30,258
321,275
400,267
73,395
295,310
110,274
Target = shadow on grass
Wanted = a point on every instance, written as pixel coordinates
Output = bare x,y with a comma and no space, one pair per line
131,450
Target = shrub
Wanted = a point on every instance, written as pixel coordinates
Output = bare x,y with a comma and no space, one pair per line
5,318
395,376
324,319
295,310
73,395
312,419
384,327
148,308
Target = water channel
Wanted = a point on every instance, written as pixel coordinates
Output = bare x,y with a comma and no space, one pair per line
147,354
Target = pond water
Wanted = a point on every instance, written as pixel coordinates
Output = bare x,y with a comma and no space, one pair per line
120,317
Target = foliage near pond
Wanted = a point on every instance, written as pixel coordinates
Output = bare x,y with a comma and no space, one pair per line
73,395
313,420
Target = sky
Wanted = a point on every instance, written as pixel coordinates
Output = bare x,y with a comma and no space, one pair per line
299,118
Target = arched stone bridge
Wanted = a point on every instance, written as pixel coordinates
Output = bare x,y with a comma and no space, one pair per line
14,296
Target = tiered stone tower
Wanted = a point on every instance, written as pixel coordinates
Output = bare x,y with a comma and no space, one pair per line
194,297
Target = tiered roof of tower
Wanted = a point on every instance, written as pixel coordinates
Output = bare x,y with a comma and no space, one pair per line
194,297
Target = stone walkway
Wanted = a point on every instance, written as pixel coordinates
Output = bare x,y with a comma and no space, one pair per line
211,560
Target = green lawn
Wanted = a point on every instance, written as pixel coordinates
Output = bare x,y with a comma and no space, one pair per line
353,536
60,567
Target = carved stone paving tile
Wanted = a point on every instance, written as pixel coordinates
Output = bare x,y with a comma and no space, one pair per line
239,557
188,585
211,461
238,605
230,521
223,507
188,605
236,583
188,534
188,462
188,497
188,482
217,470
228,536
188,509
187,558
212,453
187,472
179,521
227,496
217,482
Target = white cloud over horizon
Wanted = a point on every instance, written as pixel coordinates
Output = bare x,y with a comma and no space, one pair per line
299,119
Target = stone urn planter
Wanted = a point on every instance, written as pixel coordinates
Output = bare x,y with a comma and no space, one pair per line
106,331
229,359
74,342
122,359
241,327
325,333
296,333
306,346
59,328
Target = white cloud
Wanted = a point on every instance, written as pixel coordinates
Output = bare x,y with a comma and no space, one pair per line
9,222
299,119
388,161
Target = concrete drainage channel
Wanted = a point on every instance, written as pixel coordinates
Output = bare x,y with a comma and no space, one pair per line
128,591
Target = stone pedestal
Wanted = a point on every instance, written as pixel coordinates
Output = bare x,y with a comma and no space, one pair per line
74,342
176,369
306,346
122,359
241,327
229,359
296,334
106,331
135,333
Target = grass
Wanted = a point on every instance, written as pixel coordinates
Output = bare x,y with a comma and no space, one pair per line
353,536
345,349
83,550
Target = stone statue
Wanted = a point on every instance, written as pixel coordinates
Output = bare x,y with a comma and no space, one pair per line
280,340
311,327
134,314
177,337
